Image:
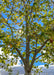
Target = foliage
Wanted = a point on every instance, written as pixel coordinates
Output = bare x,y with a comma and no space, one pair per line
27,29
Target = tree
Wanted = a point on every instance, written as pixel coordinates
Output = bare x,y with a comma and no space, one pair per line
29,30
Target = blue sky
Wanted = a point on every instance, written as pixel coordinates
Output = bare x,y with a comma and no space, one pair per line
5,29
5,16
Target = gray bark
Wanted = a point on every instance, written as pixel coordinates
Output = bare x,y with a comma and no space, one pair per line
27,73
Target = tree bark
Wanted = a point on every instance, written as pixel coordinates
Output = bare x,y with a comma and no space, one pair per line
27,73
27,70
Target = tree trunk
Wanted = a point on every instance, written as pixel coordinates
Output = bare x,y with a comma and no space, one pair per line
27,73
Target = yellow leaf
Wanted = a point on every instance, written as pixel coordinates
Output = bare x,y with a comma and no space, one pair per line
7,0
8,36
16,16
20,17
6,19
15,63
0,30
3,0
49,18
11,45
18,44
17,23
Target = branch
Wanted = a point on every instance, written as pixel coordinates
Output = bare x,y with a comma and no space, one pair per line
27,40
7,23
20,55
38,57
43,45
1,45
36,52
9,26
33,59
36,40
23,1
32,51
11,12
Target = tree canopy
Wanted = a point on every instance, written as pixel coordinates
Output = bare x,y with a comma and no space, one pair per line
27,29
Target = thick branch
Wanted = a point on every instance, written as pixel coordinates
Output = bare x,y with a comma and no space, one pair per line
36,52
27,40
20,55
38,57
33,59
43,45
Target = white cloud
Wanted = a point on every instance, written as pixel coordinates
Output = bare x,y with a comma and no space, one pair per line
10,57
1,51
20,69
